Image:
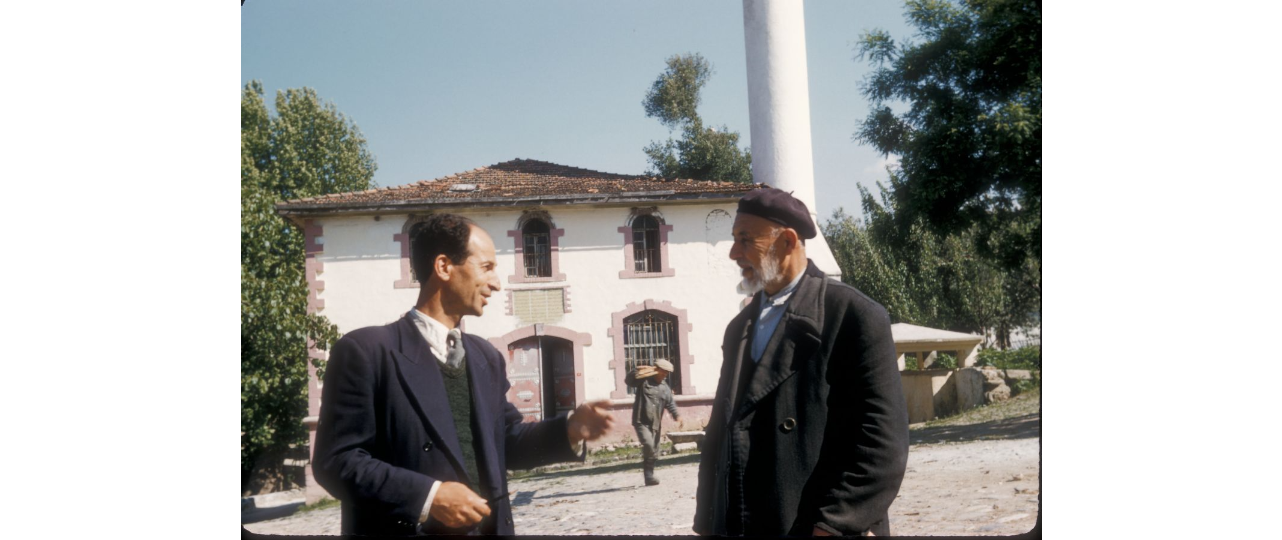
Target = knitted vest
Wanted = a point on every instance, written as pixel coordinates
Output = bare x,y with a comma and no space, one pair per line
459,393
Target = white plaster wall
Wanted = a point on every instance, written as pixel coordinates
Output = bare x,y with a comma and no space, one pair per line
362,261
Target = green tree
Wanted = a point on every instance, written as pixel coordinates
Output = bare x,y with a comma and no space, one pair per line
702,153
925,278
970,140
307,149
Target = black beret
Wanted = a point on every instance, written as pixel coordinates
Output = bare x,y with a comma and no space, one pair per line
780,207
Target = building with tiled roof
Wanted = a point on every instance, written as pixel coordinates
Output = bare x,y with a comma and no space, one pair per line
599,271
520,181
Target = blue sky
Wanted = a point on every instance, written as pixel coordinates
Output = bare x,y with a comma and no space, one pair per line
443,87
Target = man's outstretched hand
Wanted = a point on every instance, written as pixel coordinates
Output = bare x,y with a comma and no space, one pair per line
589,422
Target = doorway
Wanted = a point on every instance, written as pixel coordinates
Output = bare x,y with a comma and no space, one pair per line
541,370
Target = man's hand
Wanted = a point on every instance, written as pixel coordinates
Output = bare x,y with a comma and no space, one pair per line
646,371
457,506
589,422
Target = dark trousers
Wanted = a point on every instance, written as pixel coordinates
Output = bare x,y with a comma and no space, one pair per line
648,436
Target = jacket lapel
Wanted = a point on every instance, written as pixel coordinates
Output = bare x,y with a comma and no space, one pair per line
482,397
738,347
797,335
420,373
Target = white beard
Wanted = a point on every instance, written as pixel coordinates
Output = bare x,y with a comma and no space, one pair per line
768,273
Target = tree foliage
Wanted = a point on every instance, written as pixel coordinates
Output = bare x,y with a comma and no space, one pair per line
308,148
674,97
926,278
702,153
970,140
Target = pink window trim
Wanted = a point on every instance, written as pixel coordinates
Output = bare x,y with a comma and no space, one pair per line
683,334
578,339
313,246
554,248
629,260
313,267
565,297
406,280
407,274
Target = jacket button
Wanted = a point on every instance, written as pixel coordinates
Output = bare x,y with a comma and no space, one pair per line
508,520
427,447
788,424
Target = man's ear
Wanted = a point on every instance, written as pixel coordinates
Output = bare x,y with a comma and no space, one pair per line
441,267
790,238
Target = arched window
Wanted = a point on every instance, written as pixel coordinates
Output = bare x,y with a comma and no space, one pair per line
536,240
413,224
650,336
645,245
645,332
413,232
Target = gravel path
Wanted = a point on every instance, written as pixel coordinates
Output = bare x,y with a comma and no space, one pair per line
984,487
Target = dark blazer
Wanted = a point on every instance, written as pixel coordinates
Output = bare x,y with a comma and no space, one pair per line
819,432
386,431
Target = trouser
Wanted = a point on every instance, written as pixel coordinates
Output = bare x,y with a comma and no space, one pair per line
648,436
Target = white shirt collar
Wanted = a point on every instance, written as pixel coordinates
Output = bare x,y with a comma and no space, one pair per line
433,331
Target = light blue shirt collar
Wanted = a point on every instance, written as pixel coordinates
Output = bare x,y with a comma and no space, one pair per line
783,295
772,308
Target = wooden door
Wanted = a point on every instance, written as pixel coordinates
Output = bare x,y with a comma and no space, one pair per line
524,372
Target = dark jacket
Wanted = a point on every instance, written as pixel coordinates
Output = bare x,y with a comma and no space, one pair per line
819,434
386,432
651,399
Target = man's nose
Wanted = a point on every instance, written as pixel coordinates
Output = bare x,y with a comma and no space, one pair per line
735,252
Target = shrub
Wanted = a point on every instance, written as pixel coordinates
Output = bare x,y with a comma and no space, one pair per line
944,361
1021,358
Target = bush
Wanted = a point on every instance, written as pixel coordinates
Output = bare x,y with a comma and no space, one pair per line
944,361
1024,385
1022,358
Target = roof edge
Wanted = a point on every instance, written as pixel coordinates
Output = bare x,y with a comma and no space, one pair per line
313,208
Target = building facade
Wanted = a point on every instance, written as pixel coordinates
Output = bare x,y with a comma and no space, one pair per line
599,272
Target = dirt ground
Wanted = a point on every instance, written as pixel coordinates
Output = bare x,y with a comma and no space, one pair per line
978,479
987,487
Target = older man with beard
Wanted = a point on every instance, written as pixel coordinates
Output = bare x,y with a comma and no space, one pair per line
809,429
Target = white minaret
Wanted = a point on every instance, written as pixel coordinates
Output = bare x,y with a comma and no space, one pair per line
774,32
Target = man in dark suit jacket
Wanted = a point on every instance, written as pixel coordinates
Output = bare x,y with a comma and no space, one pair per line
809,429
415,431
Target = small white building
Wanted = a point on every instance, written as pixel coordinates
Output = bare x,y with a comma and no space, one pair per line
599,271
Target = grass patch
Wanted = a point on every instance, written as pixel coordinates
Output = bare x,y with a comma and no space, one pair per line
320,505
1027,402
620,454
683,458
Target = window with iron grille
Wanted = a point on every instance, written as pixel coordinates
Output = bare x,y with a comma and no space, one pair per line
645,244
537,249
648,337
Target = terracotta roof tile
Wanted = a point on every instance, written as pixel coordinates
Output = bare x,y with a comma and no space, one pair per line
520,179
